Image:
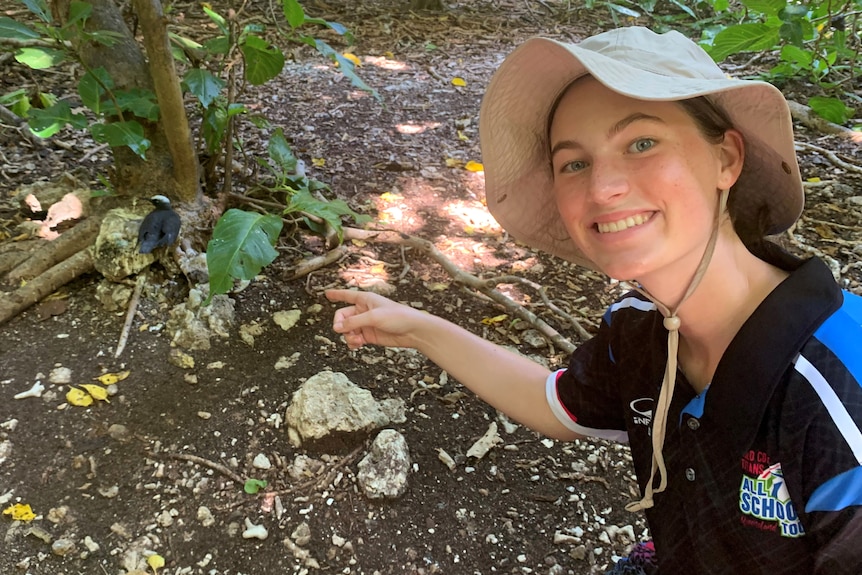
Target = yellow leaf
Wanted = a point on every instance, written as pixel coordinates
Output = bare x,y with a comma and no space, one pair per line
97,391
112,378
474,167
462,137
390,197
20,512
453,163
469,230
359,243
456,81
813,180
495,319
79,397
438,286
352,58
318,162
156,561
389,55
378,269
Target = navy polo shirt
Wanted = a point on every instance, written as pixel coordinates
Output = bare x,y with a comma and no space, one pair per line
765,466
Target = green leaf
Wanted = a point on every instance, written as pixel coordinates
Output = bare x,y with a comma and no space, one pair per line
797,56
766,7
241,245
129,133
280,152
78,12
218,45
218,19
9,28
346,67
90,88
214,126
39,58
831,109
339,29
293,13
331,211
791,32
103,37
45,123
623,10
40,9
253,485
204,85
142,103
263,62
742,38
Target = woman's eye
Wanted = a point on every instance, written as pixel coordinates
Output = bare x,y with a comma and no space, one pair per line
575,166
642,145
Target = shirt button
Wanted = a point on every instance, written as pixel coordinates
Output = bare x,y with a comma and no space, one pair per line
693,423
689,474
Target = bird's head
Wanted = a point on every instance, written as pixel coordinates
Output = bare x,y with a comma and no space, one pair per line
161,202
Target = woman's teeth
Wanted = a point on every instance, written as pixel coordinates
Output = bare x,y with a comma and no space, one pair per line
623,224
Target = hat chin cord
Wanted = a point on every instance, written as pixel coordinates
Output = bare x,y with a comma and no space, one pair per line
672,324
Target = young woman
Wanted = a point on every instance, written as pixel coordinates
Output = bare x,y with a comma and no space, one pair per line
734,369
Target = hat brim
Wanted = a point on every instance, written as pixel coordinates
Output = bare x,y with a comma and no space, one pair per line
513,127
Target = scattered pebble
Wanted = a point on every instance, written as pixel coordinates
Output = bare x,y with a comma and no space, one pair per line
253,531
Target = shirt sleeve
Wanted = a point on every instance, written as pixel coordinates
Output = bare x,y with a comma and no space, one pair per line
842,552
585,396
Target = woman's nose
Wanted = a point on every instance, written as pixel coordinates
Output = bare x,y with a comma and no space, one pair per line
608,181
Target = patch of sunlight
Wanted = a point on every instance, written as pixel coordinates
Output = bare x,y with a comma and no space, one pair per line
386,63
472,217
412,128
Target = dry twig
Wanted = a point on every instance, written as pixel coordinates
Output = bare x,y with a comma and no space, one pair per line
224,470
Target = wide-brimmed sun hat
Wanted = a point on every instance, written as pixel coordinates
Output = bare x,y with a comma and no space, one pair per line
638,63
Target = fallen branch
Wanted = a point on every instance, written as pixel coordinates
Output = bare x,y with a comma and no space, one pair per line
130,315
223,469
831,156
53,252
314,264
810,119
460,276
45,284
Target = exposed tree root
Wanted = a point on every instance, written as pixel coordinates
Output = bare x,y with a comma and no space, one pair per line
13,303
483,286
53,252
810,119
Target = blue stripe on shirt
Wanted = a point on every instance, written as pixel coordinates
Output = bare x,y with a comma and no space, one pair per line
842,332
838,493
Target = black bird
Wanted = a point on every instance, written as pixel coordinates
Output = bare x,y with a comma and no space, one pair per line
160,228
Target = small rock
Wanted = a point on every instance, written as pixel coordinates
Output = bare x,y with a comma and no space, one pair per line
261,461
286,319
35,391
60,376
205,516
181,359
383,472
253,531
302,534
91,545
119,432
62,547
204,415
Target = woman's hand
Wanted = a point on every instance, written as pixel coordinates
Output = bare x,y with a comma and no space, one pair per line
374,319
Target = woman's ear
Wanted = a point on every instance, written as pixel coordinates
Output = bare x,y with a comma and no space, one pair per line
732,155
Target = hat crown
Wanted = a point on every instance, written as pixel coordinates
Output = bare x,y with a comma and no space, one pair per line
669,54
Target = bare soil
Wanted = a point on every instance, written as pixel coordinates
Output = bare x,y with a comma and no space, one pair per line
116,477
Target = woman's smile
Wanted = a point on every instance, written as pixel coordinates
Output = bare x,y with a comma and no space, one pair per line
623,224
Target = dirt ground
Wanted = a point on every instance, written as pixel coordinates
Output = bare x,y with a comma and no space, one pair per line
154,470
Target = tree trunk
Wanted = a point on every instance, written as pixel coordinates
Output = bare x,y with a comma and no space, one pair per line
173,114
127,66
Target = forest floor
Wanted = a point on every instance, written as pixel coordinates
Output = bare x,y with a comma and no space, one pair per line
114,482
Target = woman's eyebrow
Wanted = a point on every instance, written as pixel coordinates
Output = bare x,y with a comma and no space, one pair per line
613,131
622,124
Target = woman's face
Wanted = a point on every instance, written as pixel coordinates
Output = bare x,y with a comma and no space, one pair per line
636,182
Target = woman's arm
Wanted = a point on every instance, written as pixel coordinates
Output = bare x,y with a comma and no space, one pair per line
508,381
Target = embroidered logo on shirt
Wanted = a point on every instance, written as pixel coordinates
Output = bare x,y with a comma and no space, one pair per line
764,500
642,407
